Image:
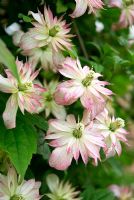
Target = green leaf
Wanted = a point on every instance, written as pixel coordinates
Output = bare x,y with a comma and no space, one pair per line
20,143
60,7
43,148
38,121
8,59
103,194
88,193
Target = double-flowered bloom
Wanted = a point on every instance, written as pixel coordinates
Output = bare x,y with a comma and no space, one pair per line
82,5
122,192
84,84
113,131
25,93
72,139
46,41
50,105
60,190
12,189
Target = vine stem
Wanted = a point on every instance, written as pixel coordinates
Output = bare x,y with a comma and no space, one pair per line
80,40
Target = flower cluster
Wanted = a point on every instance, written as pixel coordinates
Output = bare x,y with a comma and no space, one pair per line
72,138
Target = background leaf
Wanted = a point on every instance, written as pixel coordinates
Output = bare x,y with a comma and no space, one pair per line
8,59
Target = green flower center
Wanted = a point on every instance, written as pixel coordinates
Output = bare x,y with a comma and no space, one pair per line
17,197
118,123
87,81
48,97
128,2
25,86
77,133
53,31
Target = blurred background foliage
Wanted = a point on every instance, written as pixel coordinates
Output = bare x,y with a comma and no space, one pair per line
108,52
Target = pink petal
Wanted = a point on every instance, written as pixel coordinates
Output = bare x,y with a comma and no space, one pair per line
9,115
80,9
60,159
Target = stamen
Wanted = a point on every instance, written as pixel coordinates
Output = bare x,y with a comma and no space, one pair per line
17,197
87,81
54,31
118,123
77,133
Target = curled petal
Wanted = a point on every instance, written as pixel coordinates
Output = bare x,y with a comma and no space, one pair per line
81,6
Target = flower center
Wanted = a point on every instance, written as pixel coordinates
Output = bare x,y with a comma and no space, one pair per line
17,197
53,31
118,123
77,133
87,81
25,86
48,97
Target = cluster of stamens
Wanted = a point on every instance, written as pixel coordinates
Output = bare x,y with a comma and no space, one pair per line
25,86
87,81
77,133
17,197
118,123
53,31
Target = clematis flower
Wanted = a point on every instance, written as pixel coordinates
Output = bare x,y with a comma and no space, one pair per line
12,189
113,132
72,139
49,103
45,56
122,192
60,189
84,84
48,30
115,3
25,94
126,17
82,5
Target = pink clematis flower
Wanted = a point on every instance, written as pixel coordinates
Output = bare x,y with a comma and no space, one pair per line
72,139
46,56
60,189
115,3
82,5
12,189
84,84
48,30
113,132
126,18
50,105
121,192
25,94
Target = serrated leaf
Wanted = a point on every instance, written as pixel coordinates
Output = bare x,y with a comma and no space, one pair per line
8,59
20,143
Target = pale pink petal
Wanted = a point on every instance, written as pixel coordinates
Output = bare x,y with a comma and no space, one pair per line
60,159
81,6
6,85
9,115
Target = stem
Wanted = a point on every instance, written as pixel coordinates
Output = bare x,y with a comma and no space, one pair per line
80,40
